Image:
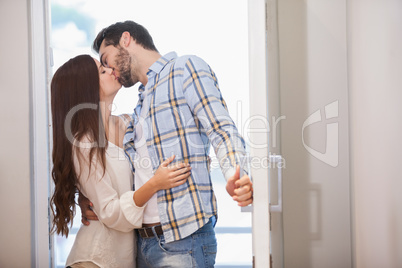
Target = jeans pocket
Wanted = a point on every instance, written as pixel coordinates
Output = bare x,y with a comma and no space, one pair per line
209,252
176,247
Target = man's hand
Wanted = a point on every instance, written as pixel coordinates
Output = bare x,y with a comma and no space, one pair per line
86,211
240,189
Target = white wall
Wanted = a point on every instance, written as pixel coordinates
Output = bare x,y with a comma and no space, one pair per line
375,75
15,224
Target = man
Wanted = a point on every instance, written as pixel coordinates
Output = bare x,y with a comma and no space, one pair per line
180,112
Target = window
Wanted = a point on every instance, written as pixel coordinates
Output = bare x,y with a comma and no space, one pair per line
214,30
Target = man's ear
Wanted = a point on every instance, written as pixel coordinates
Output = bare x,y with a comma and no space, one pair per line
125,39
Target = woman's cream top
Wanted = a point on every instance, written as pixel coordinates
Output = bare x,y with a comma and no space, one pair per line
109,242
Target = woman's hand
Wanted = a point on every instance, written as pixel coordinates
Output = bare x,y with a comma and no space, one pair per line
167,177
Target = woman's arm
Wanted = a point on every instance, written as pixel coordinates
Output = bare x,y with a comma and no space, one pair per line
97,185
165,178
96,192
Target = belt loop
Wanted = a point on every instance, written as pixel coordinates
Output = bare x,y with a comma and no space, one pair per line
154,231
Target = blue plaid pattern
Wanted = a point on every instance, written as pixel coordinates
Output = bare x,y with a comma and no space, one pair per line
186,115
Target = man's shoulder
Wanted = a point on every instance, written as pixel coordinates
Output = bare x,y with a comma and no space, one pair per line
183,60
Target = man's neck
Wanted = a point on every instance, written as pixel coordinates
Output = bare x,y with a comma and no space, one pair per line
148,58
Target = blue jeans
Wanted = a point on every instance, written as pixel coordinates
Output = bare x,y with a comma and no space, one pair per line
197,250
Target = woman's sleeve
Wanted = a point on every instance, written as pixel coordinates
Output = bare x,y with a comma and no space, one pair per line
115,212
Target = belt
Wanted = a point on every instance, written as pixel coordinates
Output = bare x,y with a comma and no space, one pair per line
147,231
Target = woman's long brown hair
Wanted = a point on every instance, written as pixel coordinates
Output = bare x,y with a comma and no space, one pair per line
75,100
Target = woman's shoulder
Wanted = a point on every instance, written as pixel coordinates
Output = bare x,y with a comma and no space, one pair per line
124,117
118,127
122,120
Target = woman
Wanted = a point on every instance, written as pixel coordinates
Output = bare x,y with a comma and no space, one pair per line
88,156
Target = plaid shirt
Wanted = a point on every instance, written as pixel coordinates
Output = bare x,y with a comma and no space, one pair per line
186,114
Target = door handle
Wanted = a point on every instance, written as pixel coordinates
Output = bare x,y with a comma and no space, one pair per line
277,160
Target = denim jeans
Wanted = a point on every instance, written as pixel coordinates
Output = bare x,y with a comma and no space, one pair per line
197,250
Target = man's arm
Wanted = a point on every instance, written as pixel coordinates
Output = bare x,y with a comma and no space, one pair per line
86,211
201,90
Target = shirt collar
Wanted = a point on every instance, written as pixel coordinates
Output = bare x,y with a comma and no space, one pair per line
158,66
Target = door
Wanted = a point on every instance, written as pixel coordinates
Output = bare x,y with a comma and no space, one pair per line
220,40
268,163
314,133
258,129
306,104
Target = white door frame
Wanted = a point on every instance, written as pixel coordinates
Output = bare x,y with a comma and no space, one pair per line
40,62
259,109
39,130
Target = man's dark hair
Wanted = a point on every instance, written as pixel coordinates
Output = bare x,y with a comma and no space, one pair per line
112,34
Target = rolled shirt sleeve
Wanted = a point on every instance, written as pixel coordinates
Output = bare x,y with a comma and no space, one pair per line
204,98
